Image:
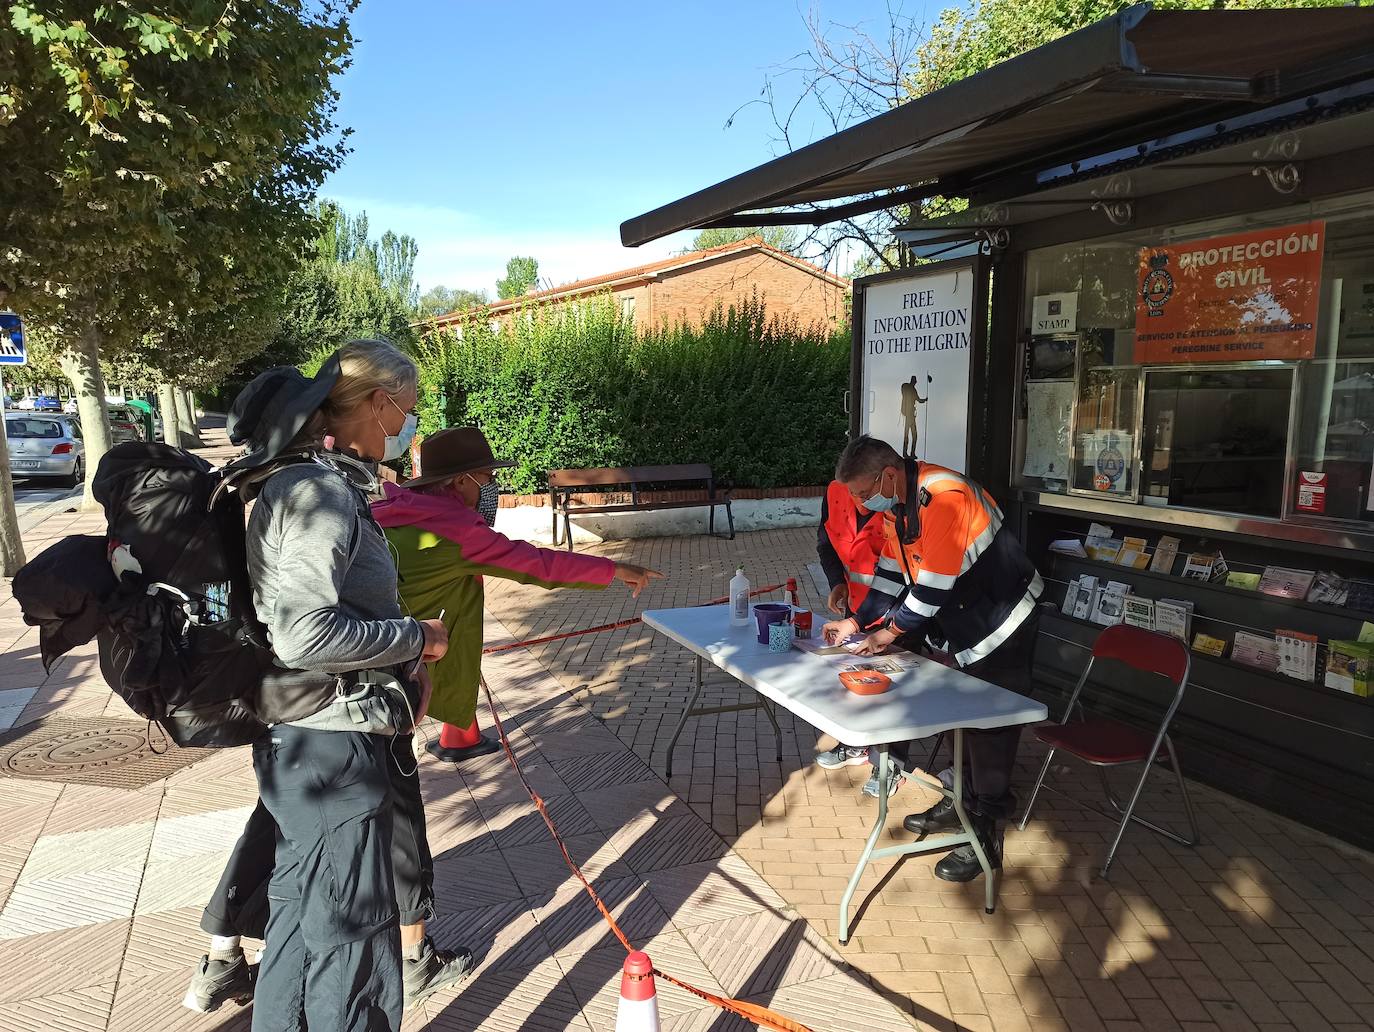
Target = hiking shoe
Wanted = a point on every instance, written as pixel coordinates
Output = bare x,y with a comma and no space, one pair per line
939,817
842,756
217,981
962,865
433,970
894,779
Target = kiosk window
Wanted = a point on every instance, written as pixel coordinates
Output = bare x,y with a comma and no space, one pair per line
1217,438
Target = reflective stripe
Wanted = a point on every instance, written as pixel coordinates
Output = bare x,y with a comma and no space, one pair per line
860,578
936,580
888,563
1014,619
979,545
920,608
930,479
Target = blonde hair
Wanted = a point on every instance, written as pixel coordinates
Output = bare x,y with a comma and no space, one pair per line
366,366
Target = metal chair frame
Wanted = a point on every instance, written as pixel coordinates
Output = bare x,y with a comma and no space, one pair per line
1127,814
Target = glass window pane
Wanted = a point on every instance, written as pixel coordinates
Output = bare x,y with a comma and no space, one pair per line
1217,438
1104,427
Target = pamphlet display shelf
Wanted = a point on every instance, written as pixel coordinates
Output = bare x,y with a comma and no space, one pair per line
1297,747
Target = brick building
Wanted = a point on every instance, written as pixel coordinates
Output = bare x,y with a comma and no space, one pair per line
686,287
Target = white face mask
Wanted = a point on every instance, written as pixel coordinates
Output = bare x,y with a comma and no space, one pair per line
399,443
880,502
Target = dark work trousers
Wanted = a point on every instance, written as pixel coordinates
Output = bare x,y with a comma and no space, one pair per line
333,957
239,905
990,756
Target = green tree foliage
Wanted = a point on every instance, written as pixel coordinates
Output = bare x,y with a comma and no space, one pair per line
347,286
578,385
161,154
442,300
521,276
784,238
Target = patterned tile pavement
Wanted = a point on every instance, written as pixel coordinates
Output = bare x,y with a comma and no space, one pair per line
1266,925
101,889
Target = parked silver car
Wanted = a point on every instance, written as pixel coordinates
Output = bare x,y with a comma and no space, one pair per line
46,445
125,424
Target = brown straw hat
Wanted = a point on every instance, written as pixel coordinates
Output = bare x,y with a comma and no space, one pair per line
453,452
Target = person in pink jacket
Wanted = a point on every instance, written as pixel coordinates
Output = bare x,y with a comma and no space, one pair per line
440,529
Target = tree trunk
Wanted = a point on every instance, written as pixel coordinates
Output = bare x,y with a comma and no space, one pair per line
11,544
171,425
186,416
80,361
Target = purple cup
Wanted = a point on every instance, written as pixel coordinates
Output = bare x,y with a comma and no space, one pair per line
769,613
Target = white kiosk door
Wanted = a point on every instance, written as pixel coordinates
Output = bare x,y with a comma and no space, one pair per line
917,339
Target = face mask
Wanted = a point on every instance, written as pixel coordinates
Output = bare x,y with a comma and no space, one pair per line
880,502
488,499
398,444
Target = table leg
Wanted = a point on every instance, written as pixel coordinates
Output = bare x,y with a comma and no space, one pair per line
777,731
884,762
989,876
686,712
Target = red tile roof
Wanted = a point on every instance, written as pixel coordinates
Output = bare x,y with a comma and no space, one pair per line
641,272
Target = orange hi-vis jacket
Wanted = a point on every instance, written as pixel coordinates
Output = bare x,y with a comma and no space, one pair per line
850,553
960,563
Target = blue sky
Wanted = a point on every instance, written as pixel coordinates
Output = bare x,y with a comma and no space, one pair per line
491,129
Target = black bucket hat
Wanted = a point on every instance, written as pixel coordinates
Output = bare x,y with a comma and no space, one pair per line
269,413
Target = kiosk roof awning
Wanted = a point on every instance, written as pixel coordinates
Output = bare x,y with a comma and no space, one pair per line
1132,77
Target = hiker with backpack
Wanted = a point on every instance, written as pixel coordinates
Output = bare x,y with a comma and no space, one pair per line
325,588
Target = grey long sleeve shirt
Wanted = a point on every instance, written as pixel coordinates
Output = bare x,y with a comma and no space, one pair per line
322,611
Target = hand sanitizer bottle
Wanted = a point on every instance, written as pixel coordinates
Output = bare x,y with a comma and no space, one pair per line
739,598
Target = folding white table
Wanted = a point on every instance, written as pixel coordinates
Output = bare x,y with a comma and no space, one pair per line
927,699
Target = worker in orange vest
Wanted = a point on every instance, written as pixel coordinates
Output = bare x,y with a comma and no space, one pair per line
958,561
849,545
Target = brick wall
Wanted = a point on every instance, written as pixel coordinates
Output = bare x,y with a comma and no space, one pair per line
689,294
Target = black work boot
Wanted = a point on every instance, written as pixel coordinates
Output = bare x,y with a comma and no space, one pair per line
962,864
938,818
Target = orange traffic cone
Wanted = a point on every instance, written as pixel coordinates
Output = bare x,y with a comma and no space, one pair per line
462,743
638,1003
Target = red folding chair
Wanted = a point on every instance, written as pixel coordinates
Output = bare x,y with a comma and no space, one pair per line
1104,742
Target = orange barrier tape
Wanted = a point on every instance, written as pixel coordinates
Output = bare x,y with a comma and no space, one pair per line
493,649
749,1011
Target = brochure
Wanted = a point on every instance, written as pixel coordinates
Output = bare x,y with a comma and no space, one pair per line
1139,612
1133,553
1244,581
1297,654
1165,554
1349,666
1069,546
1110,603
1199,566
1282,582
1255,650
1086,601
1174,617
1104,549
1207,644
1329,589
1361,596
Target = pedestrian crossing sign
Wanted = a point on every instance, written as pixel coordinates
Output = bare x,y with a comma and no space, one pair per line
12,348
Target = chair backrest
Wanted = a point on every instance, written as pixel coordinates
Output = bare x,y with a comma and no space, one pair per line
1149,651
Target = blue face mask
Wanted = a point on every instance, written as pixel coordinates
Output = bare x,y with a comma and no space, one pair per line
880,502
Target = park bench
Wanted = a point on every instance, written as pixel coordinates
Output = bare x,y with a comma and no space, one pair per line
564,484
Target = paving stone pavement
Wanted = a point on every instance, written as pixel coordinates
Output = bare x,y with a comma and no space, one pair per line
1265,925
101,889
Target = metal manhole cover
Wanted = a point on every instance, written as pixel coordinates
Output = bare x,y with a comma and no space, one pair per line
92,751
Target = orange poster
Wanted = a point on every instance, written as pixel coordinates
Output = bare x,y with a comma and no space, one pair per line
1235,298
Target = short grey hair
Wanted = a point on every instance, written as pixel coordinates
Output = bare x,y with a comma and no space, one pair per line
865,457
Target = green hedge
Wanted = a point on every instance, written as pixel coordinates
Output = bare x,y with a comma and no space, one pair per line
575,386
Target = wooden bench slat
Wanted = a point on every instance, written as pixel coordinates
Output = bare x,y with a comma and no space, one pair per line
583,510
607,476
